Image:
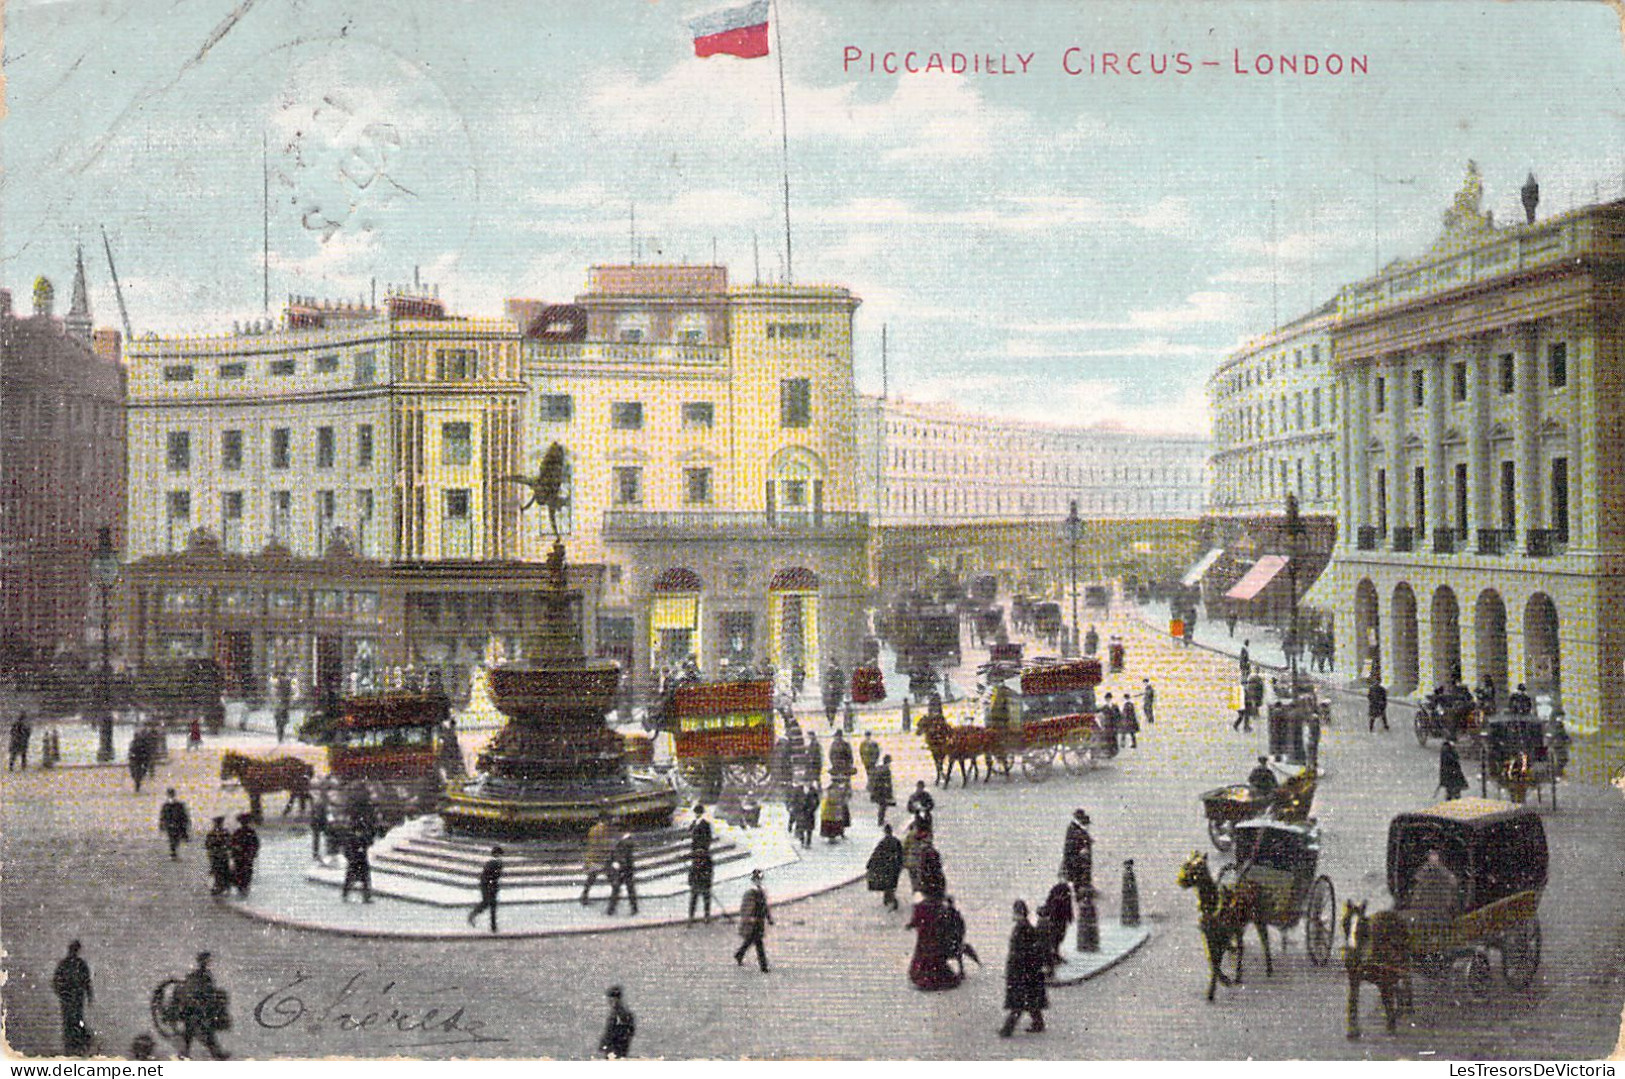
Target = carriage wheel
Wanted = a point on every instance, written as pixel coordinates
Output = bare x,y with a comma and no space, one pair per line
1520,954
751,775
1037,761
1472,972
1222,834
1320,920
166,1008
1078,752
691,774
1421,730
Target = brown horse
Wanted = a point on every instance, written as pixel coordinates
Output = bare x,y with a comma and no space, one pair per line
965,746
1376,949
1225,915
261,776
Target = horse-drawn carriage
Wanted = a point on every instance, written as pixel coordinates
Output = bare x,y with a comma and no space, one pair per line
1050,713
722,732
1466,877
1522,753
1227,807
1449,716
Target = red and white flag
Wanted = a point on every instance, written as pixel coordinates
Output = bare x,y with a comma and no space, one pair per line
737,31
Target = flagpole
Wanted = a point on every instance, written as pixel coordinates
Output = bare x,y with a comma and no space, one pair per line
784,132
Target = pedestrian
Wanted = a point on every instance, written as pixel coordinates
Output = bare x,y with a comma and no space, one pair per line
932,881
71,983
319,821
1091,642
885,867
834,692
1055,917
1376,706
21,732
1026,968
284,705
1129,722
600,844
175,822
1312,728
880,790
701,865
835,815
754,918
929,969
868,753
217,846
921,805
1111,718
490,888
1518,702
1451,777
815,759
840,759
623,874
1148,699
139,757
1188,633
194,734
804,813
1262,778
954,935
1078,853
616,1043
357,864
245,851
1246,660
1230,624
143,1047
203,1010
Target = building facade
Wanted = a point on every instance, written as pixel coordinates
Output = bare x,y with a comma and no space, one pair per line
1275,407
61,469
711,444
1483,524
386,432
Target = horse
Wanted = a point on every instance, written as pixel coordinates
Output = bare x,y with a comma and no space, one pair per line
965,746
1376,949
1225,915
261,776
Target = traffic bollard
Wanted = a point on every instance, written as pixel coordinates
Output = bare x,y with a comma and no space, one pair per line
907,720
1129,914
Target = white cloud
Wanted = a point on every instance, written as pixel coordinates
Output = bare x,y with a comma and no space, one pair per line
1199,308
1151,348
1017,213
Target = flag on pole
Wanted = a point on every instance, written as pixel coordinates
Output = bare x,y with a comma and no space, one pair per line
737,31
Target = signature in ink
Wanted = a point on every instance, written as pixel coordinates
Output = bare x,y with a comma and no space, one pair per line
355,1005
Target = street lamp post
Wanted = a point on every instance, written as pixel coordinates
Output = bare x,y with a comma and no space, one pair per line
1073,526
104,568
1294,530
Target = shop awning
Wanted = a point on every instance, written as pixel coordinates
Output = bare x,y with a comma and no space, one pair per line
1262,573
1203,564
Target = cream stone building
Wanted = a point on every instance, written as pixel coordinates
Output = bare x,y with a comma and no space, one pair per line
1481,527
710,437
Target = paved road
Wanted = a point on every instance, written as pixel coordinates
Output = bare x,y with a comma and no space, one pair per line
83,858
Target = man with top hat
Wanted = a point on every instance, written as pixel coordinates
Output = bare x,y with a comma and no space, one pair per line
754,918
490,888
175,822
203,1010
217,846
618,1028
1078,854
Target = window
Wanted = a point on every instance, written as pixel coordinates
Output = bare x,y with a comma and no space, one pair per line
1314,352
281,516
1458,381
231,450
699,414
1382,394
691,336
1418,385
179,454
457,526
231,520
281,448
456,443
1557,365
1509,495
697,486
326,365
324,447
283,367
233,370
1297,409
794,331
178,372
1461,499
1382,500
363,446
366,368
628,486
1419,497
1508,378
795,402
457,502
456,364
1560,498
626,415
231,505
795,494
556,408
363,523
178,517
1315,405
327,509
1297,357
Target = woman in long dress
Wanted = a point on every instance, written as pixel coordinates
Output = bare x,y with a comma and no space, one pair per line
929,969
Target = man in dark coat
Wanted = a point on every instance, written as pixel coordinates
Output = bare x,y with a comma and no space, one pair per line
623,874
318,824
140,757
1026,968
953,939
868,753
490,888
203,1010
175,822
284,704
1245,660
71,983
1078,853
358,864
1451,777
21,732
1376,700
840,758
1148,700
1129,722
754,918
880,790
807,820
245,851
1055,916
701,866
932,880
616,1043
1091,642
1262,777
217,845
885,867
815,760
921,805
834,691
1519,702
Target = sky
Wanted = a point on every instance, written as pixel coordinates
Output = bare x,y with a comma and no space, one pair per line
1043,245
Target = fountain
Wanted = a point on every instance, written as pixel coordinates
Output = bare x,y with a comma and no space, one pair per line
555,766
